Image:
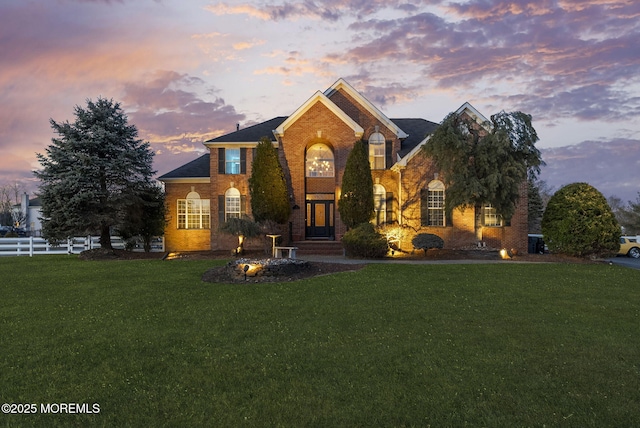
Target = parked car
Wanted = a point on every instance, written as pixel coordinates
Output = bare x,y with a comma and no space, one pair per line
629,247
4,230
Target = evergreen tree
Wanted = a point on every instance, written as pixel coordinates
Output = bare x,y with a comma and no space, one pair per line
356,200
535,208
93,173
148,219
267,186
579,222
630,217
485,164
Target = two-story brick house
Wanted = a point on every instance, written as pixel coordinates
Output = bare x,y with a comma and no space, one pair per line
313,144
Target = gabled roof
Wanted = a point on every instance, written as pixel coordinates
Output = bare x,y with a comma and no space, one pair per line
411,148
319,97
342,84
473,113
250,134
196,170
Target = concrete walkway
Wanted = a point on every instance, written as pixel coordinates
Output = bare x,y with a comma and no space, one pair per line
346,260
620,261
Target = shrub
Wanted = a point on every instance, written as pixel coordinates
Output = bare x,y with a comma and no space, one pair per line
424,241
395,234
242,228
364,241
579,222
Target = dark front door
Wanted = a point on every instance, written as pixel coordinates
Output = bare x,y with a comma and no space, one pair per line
319,219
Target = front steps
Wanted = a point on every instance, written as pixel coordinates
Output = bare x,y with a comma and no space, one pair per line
323,248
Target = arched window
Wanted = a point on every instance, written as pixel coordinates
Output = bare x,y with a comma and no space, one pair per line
376,151
232,203
380,203
432,203
193,212
319,161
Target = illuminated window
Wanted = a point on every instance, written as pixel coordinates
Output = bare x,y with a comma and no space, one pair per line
491,217
232,206
319,161
379,204
193,212
376,151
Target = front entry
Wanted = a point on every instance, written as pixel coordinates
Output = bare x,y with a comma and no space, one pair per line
319,219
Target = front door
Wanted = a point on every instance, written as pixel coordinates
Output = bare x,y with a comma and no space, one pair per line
319,219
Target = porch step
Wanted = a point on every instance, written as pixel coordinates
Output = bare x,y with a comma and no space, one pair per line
325,248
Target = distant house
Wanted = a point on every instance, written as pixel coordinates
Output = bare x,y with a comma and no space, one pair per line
313,144
26,215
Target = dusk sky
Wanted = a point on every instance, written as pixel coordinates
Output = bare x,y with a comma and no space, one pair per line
186,71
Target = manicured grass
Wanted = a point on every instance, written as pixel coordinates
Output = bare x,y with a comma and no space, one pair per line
391,345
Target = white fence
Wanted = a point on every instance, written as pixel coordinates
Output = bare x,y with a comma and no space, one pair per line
32,246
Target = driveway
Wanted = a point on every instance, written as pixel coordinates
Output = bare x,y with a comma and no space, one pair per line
626,261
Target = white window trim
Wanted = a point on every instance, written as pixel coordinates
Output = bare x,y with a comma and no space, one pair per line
193,208
489,212
436,186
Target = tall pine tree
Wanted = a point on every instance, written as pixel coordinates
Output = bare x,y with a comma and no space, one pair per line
93,174
356,200
267,185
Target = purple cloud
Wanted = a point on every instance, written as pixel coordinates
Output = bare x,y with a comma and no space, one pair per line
613,167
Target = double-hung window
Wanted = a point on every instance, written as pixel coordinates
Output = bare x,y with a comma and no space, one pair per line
432,204
232,161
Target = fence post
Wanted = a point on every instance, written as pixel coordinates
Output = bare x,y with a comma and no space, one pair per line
30,246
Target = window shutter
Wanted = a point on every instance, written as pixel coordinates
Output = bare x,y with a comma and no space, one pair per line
388,152
448,218
220,209
243,160
424,207
390,208
243,205
221,161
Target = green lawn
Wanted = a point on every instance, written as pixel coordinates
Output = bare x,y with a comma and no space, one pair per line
499,345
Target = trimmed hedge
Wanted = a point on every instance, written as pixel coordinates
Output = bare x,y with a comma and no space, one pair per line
579,222
424,241
364,241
